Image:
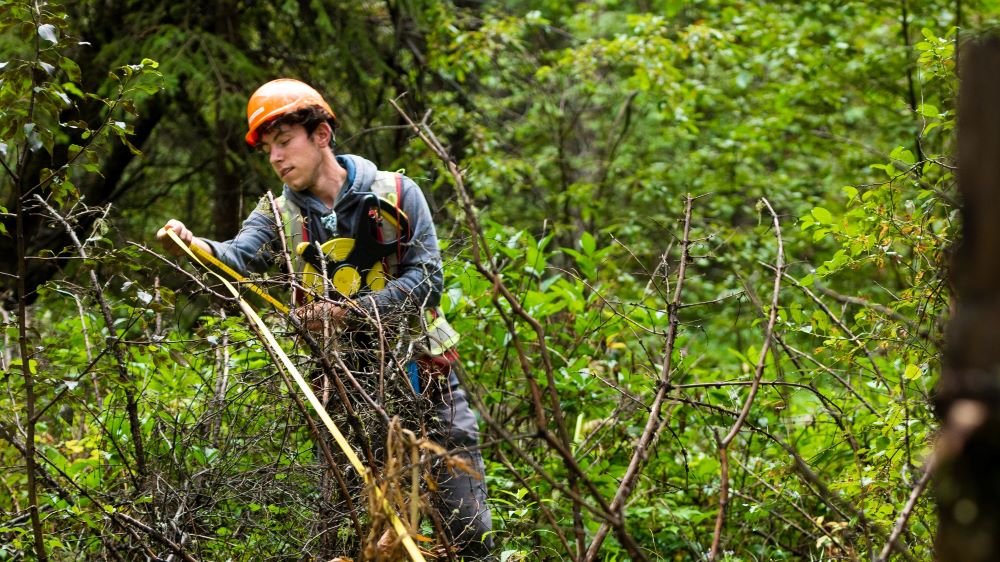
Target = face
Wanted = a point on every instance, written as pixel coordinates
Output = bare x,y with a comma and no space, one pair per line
294,155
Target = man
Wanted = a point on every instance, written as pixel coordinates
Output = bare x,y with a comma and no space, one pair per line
292,123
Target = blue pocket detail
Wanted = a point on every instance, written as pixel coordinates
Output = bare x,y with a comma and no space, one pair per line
414,372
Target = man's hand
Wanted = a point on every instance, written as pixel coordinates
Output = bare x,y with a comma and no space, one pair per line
318,313
183,233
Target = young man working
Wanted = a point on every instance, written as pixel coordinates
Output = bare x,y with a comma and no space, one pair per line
291,123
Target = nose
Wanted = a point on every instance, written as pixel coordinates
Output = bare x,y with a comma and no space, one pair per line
274,155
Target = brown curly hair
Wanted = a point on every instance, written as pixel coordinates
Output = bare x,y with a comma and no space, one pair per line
308,117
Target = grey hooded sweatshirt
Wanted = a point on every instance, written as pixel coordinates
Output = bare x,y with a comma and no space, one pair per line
418,284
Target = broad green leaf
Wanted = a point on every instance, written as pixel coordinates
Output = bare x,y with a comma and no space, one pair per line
928,110
822,215
587,243
902,154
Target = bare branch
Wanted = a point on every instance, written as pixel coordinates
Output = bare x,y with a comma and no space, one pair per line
132,404
653,422
748,403
843,327
911,503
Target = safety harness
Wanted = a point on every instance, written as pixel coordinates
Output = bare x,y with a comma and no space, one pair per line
351,267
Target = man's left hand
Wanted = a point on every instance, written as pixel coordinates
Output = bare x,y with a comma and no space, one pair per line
317,314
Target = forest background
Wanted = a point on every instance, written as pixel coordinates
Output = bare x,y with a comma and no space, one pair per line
696,253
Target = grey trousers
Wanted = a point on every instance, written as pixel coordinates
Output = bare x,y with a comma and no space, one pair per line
461,497
458,496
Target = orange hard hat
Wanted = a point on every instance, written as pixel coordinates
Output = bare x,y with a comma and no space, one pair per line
278,97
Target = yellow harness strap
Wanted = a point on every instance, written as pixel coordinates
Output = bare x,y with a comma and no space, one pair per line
272,343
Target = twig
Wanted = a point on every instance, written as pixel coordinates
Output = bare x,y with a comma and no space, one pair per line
221,371
542,508
132,405
98,398
881,309
650,432
191,277
831,372
843,327
719,384
5,353
748,403
904,515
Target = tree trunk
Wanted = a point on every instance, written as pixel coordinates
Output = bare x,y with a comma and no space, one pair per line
968,397
227,209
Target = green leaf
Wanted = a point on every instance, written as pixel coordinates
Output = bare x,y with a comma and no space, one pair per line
72,71
587,266
32,365
889,170
73,89
587,243
903,155
822,216
928,110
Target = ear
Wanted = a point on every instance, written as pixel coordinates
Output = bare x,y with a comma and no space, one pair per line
321,135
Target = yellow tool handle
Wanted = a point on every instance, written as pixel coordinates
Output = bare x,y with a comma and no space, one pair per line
272,343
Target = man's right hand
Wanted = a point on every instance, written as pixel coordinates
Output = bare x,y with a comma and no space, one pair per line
180,230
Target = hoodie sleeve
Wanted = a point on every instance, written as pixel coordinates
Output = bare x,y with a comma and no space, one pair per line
420,280
251,250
